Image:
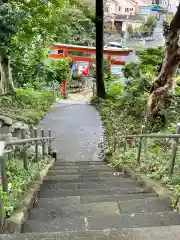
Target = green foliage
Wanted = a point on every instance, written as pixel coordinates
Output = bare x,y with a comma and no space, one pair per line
27,27
58,70
28,104
148,28
19,180
76,76
125,113
116,89
131,70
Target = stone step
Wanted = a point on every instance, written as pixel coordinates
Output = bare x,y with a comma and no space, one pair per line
83,173
53,180
93,185
134,220
104,208
93,167
85,163
72,200
80,170
87,192
92,176
90,209
116,197
155,233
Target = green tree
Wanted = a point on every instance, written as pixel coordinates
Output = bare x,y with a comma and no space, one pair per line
27,27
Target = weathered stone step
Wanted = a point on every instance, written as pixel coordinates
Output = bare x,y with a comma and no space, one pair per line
84,177
104,208
87,192
81,164
155,233
85,173
85,163
134,220
72,200
94,185
79,170
87,167
116,197
89,209
53,180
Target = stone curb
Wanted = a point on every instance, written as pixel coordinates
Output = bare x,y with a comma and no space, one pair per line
15,222
149,183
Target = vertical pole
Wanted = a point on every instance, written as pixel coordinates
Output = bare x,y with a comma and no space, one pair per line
49,147
93,90
140,145
99,48
1,213
125,141
4,179
24,154
36,144
174,151
43,143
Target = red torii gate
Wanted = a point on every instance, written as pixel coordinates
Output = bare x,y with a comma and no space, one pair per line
67,50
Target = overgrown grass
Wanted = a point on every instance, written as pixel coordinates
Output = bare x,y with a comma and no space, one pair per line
20,180
121,118
27,104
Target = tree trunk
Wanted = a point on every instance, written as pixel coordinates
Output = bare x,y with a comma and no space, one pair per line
99,49
6,84
165,81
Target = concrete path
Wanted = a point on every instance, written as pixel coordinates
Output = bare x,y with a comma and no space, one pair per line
77,129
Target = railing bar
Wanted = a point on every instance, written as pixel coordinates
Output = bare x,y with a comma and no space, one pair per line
152,136
22,141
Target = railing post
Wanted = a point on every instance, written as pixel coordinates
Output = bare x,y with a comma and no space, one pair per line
125,141
140,145
174,151
1,214
32,132
93,88
24,154
3,175
36,144
43,143
50,145
4,179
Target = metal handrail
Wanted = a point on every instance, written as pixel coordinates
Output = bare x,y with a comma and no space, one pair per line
28,140
2,148
151,135
25,143
127,138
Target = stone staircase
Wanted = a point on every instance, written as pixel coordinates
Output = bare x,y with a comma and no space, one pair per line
91,201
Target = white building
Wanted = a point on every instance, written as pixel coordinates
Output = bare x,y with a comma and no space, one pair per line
121,12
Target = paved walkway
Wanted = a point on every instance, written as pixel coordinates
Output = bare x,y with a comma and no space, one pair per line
77,129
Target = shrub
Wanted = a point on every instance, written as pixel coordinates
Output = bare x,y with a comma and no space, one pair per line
28,104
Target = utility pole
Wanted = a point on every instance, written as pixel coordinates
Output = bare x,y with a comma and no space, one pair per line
99,49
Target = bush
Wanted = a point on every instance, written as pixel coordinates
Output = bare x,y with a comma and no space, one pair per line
19,180
27,104
116,89
58,70
126,113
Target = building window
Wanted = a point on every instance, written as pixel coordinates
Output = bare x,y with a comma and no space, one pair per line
144,10
126,9
131,9
119,9
106,9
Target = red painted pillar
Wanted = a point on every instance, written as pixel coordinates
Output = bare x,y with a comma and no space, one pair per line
65,53
64,89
